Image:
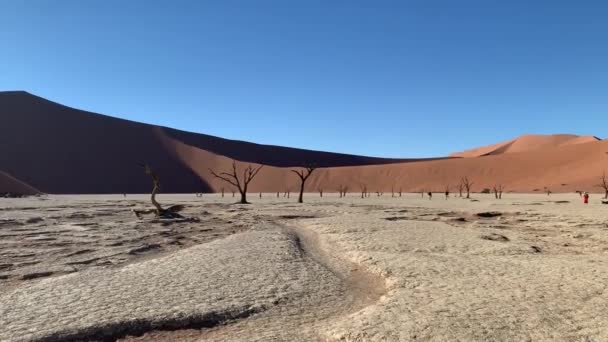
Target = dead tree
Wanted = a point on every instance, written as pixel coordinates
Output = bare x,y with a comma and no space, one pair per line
171,212
344,191
604,185
392,191
320,190
498,189
363,190
466,184
303,175
400,192
222,192
460,188
277,194
241,184
447,191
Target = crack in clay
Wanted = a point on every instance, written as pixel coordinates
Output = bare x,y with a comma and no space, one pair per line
116,330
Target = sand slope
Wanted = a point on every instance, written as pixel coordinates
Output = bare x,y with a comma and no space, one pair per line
525,143
73,151
13,185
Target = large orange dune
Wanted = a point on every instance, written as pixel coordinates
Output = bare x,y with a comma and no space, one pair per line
58,149
526,143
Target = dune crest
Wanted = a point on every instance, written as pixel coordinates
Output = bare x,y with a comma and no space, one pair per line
70,151
526,143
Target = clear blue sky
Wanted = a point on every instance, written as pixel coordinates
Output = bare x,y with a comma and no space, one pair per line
384,78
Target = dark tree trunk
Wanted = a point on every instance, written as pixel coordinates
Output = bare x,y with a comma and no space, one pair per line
301,197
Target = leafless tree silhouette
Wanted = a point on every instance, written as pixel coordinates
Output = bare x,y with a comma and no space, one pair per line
171,212
303,175
363,190
447,191
222,192
460,188
241,184
343,190
466,184
604,184
498,189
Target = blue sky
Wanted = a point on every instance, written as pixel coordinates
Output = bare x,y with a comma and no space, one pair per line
383,78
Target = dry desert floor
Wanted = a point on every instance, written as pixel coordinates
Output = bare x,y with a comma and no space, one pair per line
524,268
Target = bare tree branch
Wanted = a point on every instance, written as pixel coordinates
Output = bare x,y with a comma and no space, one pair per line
249,174
303,175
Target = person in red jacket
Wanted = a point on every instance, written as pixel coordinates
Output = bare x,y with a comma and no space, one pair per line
586,198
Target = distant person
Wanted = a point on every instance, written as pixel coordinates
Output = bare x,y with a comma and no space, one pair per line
585,198
430,195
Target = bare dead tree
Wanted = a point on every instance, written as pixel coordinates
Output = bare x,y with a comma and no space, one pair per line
363,190
466,184
303,175
222,192
447,191
604,184
400,192
242,183
171,212
320,190
392,191
277,194
344,191
460,188
260,195
498,189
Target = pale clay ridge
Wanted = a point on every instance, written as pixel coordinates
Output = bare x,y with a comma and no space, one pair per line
199,287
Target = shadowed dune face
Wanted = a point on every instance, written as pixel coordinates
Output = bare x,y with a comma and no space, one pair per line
11,184
62,150
57,149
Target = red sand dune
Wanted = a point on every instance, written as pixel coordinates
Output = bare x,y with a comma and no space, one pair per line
58,149
526,143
